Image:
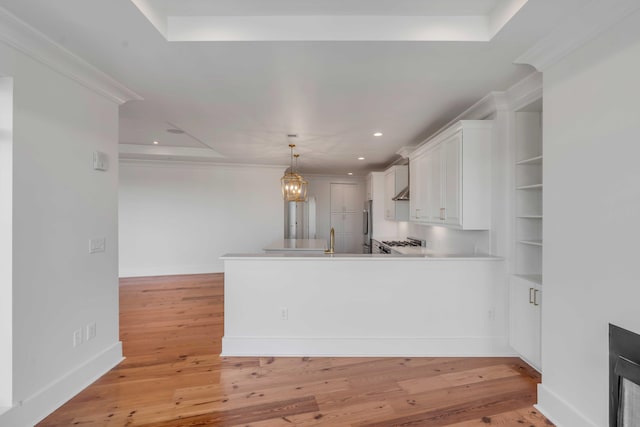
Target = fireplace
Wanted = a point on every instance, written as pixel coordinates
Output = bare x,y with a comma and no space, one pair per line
624,377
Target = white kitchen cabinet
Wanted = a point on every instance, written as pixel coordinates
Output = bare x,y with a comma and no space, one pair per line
419,194
453,177
345,198
346,217
452,161
369,187
396,178
524,314
433,175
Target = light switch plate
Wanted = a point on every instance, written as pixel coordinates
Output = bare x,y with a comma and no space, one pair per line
100,161
97,244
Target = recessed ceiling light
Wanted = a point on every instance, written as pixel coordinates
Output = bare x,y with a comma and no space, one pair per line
155,143
350,173
360,158
377,134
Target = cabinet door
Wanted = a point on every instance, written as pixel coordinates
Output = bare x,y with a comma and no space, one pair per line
423,190
352,201
524,333
452,162
337,198
434,185
415,200
345,198
389,188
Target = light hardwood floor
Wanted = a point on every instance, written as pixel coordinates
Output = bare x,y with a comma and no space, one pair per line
171,329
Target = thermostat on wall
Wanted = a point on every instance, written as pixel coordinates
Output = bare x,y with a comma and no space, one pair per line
100,161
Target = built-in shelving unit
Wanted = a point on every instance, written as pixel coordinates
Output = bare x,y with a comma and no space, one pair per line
528,197
526,280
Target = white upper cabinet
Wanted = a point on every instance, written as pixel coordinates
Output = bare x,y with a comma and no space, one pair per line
396,178
451,177
345,198
452,148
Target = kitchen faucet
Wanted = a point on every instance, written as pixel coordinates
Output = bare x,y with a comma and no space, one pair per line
332,242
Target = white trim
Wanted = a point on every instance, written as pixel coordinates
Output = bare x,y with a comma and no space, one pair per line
559,411
575,31
367,346
193,164
163,152
36,407
26,39
525,92
445,133
172,270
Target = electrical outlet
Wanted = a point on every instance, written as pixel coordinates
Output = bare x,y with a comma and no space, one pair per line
77,337
91,331
284,313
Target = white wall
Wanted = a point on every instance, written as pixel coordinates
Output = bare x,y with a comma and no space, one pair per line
179,218
591,220
59,203
6,252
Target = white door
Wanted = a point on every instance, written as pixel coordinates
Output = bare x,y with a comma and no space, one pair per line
452,150
415,200
524,333
389,192
346,217
434,184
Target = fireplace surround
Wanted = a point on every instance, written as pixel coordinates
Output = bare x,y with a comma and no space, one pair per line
624,377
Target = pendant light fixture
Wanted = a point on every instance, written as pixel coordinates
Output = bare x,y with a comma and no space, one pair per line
294,186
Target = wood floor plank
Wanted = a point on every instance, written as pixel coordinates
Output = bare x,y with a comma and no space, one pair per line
171,328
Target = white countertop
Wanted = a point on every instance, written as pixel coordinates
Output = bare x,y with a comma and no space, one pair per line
297,245
308,255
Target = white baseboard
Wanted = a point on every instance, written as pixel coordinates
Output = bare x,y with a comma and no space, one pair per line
172,270
367,347
558,410
36,407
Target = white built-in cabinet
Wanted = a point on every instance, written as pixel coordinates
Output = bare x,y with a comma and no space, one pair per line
346,217
451,177
396,178
526,281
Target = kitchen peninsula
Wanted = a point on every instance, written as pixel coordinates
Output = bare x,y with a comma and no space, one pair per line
364,305
297,246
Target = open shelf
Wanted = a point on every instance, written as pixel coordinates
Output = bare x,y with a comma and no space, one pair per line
534,278
537,160
530,187
531,242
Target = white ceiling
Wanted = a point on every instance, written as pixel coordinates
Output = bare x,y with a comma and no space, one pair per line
237,100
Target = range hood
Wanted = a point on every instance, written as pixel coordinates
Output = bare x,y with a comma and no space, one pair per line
402,195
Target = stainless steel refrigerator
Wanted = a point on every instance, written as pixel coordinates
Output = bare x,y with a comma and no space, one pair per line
367,226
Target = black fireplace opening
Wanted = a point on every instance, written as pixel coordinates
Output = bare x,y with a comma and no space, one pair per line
624,377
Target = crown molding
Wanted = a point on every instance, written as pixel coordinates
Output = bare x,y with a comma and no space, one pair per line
524,92
202,164
587,23
21,36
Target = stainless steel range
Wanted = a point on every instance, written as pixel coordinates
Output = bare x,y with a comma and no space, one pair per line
387,245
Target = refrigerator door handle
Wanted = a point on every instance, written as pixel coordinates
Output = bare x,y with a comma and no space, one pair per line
365,223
